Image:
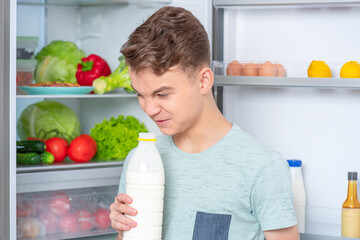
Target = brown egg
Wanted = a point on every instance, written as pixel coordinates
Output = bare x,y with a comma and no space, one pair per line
250,69
281,71
234,68
267,70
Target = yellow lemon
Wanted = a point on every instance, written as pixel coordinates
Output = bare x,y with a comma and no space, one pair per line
350,70
319,69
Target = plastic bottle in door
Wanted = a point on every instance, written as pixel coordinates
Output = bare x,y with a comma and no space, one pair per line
350,213
298,192
145,180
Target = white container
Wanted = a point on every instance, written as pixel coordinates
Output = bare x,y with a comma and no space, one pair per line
298,192
145,180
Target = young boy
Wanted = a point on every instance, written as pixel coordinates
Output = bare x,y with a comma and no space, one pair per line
220,182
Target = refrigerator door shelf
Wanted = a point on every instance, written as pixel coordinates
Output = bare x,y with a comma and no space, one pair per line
323,83
287,3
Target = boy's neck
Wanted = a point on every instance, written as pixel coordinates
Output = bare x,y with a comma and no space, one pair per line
210,127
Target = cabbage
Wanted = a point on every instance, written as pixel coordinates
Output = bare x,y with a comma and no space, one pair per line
57,62
47,119
116,137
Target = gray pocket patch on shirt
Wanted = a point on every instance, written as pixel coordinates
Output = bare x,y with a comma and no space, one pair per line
210,226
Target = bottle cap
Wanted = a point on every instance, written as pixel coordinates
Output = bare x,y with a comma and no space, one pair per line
147,137
294,163
352,176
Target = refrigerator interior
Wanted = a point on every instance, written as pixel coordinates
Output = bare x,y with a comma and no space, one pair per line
100,28
318,126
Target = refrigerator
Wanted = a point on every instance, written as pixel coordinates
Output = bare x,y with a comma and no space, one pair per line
312,119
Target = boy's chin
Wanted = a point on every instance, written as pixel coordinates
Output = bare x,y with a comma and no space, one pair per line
167,131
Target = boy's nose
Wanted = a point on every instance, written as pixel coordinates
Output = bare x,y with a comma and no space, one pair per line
152,108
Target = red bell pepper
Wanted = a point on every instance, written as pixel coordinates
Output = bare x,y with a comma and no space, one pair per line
91,68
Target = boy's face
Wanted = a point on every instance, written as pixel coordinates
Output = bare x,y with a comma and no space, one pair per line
173,100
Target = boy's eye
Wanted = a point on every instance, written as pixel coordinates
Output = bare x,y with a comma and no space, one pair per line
163,95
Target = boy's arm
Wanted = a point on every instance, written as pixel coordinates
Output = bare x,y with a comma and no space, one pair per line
290,233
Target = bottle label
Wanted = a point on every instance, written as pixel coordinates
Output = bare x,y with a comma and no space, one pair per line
350,222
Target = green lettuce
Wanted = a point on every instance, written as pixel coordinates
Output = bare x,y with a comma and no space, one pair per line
57,62
47,119
116,137
119,78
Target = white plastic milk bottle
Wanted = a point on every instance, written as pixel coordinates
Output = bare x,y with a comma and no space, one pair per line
298,192
145,180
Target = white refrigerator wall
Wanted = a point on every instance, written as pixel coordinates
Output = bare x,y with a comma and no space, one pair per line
320,127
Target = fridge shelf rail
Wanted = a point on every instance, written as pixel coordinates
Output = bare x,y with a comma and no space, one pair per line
66,166
91,2
285,3
107,95
324,83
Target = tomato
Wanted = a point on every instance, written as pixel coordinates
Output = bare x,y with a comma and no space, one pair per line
57,147
50,221
102,219
34,138
85,219
59,203
69,223
82,148
24,209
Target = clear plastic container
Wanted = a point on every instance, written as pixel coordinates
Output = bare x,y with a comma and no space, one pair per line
65,214
24,73
26,47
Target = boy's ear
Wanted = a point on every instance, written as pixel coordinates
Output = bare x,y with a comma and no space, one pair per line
206,80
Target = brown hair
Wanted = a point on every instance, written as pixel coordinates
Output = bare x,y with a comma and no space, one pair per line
171,36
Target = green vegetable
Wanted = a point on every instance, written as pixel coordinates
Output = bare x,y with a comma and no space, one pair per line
115,138
119,78
47,119
30,146
57,62
47,157
28,158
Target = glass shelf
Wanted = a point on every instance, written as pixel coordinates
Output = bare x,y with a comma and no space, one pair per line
307,236
324,83
107,95
283,3
67,165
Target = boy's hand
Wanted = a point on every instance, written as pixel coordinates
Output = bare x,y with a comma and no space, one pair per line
119,222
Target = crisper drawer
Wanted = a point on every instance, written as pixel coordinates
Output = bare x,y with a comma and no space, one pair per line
66,200
65,214
67,176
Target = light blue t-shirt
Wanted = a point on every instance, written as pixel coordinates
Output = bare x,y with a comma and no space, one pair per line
234,190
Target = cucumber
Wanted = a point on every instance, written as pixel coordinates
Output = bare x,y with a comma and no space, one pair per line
28,158
30,146
47,157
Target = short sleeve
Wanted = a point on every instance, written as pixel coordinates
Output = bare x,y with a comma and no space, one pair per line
272,197
122,184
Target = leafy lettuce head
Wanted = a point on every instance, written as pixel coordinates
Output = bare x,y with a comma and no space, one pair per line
47,119
57,62
116,137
